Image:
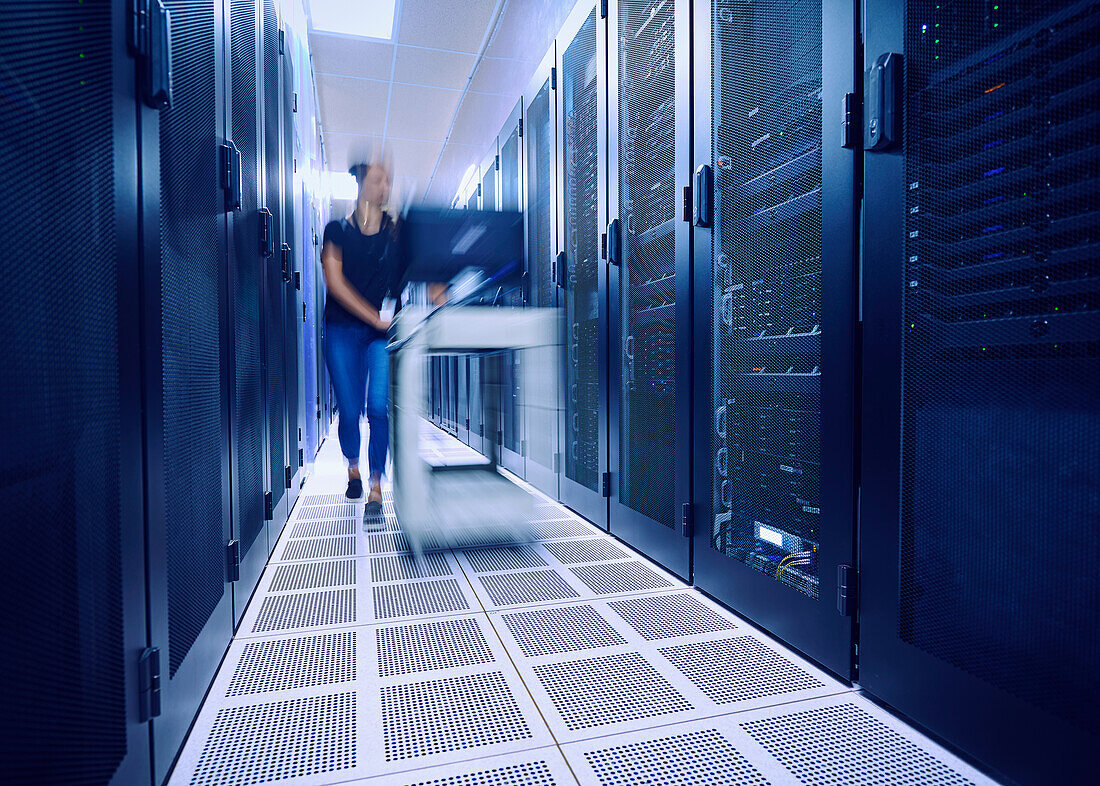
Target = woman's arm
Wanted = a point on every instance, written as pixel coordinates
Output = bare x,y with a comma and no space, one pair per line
332,260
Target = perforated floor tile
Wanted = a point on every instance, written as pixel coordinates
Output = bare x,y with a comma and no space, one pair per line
611,577
288,664
738,669
386,542
503,558
560,629
608,689
311,575
551,529
665,616
397,567
540,767
417,599
590,550
305,610
431,646
690,758
322,529
453,713
343,510
318,548
278,740
532,586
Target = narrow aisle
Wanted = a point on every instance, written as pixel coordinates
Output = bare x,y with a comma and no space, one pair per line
567,660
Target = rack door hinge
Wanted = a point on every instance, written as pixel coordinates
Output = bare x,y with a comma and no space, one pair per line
553,78
850,123
148,684
603,245
557,271
687,204
269,506
847,590
523,448
303,303
288,476
285,258
605,484
687,520
603,9
557,463
298,286
233,560
282,41
520,128
479,189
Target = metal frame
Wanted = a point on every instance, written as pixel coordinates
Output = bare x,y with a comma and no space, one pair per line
812,626
291,236
669,546
1024,743
543,478
588,503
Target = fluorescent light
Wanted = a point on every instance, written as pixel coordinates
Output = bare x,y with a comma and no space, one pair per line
363,18
770,535
341,185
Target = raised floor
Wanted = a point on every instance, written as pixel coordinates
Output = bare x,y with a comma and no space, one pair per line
568,660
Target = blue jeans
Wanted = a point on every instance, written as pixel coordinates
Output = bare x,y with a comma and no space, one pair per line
359,367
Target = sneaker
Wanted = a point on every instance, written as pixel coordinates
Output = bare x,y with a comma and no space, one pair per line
373,518
355,490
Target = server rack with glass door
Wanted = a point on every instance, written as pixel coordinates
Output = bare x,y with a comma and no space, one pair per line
980,346
649,282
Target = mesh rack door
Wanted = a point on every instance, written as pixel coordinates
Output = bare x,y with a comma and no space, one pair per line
584,445
513,433
292,282
72,571
984,450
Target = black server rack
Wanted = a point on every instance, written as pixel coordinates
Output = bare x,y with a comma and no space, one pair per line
187,392
649,284
982,355
581,273
274,283
73,566
775,314
535,134
508,165
251,244
292,281
462,386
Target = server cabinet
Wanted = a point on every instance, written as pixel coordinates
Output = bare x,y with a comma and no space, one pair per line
649,283
187,393
509,164
775,284
250,246
462,418
582,275
475,436
292,281
541,402
72,570
981,336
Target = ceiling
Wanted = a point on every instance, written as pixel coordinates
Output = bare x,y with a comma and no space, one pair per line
432,98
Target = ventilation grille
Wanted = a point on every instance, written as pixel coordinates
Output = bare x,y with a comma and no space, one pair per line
619,577
664,616
560,629
552,529
699,757
535,773
333,573
286,664
384,542
738,669
503,558
449,714
506,589
323,529
406,566
285,739
311,609
420,598
319,547
844,744
430,646
344,510
311,500
594,550
609,689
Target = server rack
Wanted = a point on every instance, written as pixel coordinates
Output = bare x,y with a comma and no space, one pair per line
775,284
274,284
73,570
541,403
187,392
579,85
508,164
649,282
980,343
292,279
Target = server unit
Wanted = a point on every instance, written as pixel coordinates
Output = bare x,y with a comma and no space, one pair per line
541,403
508,165
578,84
981,354
649,284
775,290
72,570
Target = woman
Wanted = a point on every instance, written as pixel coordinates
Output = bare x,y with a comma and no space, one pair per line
360,261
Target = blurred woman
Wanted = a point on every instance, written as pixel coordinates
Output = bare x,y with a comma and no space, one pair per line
360,261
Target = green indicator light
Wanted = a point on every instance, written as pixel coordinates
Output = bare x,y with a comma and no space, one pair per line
937,40
912,324
937,57
82,83
996,24
81,55
1056,308
983,349
937,24
996,7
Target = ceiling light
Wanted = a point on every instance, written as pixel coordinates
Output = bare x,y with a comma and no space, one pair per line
361,18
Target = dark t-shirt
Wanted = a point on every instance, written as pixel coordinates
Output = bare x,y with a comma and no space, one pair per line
370,264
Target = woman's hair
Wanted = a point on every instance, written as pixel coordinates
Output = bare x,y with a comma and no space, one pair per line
359,170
